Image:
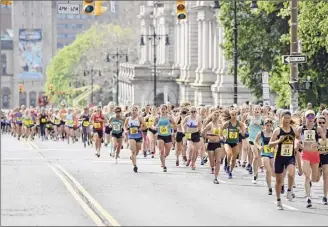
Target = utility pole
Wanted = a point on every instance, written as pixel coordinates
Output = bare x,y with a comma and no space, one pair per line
117,57
294,51
235,55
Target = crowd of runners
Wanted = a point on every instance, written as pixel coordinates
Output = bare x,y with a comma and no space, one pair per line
255,137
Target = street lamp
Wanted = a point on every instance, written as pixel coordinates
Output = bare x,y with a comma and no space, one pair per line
253,6
117,56
92,73
154,38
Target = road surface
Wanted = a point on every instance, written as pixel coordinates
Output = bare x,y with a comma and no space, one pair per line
53,183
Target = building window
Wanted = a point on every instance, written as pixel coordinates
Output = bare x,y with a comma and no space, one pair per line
70,16
4,64
61,16
60,45
70,36
61,26
60,36
74,26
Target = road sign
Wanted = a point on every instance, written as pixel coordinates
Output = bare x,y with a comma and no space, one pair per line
288,59
68,8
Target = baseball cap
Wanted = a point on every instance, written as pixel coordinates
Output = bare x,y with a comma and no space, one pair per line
309,112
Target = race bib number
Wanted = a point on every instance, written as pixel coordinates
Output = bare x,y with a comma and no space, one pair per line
116,127
86,123
233,135
287,150
57,122
96,125
43,120
164,129
47,125
188,136
134,131
19,119
225,132
323,149
267,149
216,131
70,122
309,135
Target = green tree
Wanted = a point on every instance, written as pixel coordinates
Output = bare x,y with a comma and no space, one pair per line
263,37
259,45
313,32
88,48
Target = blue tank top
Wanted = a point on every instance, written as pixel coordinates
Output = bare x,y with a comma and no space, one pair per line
134,129
254,129
164,126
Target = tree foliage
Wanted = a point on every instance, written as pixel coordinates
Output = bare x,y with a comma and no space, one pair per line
263,37
87,52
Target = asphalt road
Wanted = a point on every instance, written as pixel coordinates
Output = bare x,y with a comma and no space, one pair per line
53,183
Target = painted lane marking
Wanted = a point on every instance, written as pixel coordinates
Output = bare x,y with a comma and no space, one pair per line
82,203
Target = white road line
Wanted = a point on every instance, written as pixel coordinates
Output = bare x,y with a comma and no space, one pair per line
109,217
82,203
287,206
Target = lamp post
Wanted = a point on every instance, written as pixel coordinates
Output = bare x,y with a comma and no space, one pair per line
235,45
117,56
92,73
154,38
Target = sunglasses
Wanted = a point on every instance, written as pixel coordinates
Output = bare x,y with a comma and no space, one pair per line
322,123
175,111
192,111
117,111
269,122
310,116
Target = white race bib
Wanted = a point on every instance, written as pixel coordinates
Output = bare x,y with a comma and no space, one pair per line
287,150
309,136
116,127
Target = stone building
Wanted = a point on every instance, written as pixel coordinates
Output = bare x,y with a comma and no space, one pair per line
192,67
34,45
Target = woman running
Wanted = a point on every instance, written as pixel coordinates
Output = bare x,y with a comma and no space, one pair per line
179,137
234,128
255,126
286,155
192,126
262,142
164,138
97,121
152,132
133,125
323,150
310,134
116,123
213,132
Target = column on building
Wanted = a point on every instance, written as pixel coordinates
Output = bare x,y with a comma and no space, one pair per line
205,77
191,53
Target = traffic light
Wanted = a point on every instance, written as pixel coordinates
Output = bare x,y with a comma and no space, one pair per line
51,88
7,3
88,7
181,10
21,88
99,9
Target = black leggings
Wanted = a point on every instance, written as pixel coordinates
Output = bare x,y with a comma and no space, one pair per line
43,129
